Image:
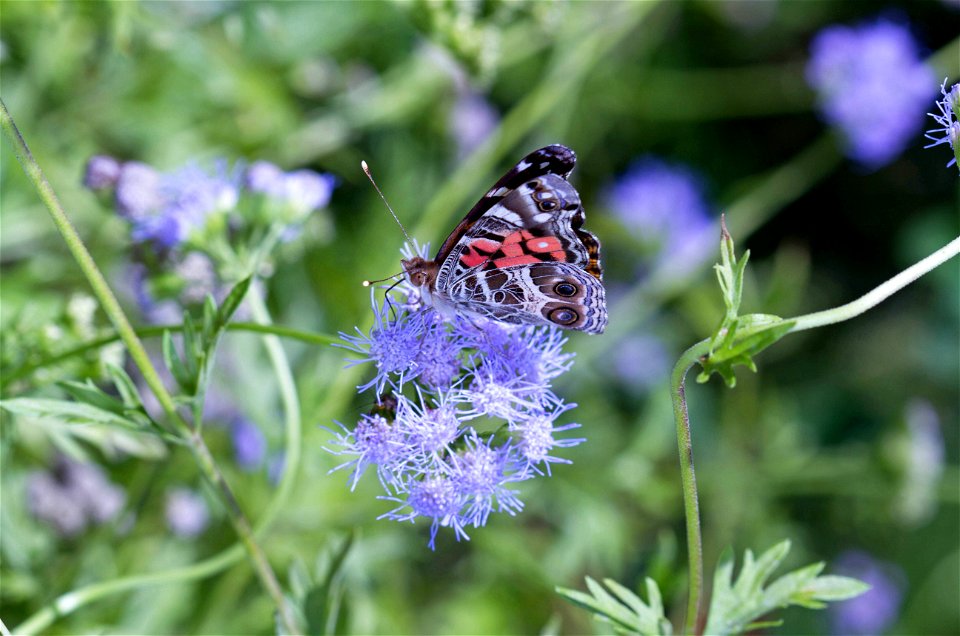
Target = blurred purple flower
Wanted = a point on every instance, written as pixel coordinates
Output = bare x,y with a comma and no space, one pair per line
186,513
249,444
426,450
874,611
472,119
872,85
102,172
664,206
164,209
641,361
949,121
301,191
72,496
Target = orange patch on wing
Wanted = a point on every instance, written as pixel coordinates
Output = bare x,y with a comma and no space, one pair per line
522,259
478,252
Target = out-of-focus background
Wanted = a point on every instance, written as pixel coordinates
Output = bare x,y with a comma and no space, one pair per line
802,121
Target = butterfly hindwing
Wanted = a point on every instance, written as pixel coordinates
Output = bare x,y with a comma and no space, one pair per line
545,293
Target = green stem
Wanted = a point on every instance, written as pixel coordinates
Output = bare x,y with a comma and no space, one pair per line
288,397
156,331
688,478
111,307
879,294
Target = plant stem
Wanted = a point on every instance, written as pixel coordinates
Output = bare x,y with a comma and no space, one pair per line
691,505
877,295
136,350
157,330
288,396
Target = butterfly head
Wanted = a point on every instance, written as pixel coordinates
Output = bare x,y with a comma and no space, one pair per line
421,272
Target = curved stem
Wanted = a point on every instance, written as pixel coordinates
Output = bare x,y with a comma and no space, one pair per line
289,398
155,331
877,295
108,301
691,504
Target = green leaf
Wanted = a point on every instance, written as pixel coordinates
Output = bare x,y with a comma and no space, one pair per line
125,386
66,422
210,326
174,363
738,339
192,351
735,607
624,610
232,301
89,393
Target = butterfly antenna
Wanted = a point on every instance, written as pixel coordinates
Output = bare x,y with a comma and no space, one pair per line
367,283
366,170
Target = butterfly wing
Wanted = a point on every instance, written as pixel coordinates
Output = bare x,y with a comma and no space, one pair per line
528,260
554,159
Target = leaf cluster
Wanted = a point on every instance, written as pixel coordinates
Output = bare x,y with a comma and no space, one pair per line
738,338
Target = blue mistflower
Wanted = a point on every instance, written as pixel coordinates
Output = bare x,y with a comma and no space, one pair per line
435,497
375,442
393,345
949,121
464,411
537,438
482,473
872,85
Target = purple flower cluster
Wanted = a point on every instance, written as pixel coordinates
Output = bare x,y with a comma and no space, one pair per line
664,206
72,496
465,411
192,224
948,120
167,210
872,85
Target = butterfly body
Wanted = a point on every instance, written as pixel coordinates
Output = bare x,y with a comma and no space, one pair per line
520,255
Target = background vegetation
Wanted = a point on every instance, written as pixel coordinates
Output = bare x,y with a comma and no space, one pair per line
440,98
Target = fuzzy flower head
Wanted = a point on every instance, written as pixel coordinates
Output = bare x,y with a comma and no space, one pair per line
949,121
464,411
872,85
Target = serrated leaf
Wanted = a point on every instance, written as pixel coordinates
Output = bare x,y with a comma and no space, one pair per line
624,609
125,386
735,608
232,301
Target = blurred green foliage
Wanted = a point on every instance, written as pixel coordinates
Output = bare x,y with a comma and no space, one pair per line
807,449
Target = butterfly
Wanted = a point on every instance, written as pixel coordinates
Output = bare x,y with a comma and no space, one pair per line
520,255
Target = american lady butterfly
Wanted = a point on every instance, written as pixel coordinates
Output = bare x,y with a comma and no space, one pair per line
521,255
